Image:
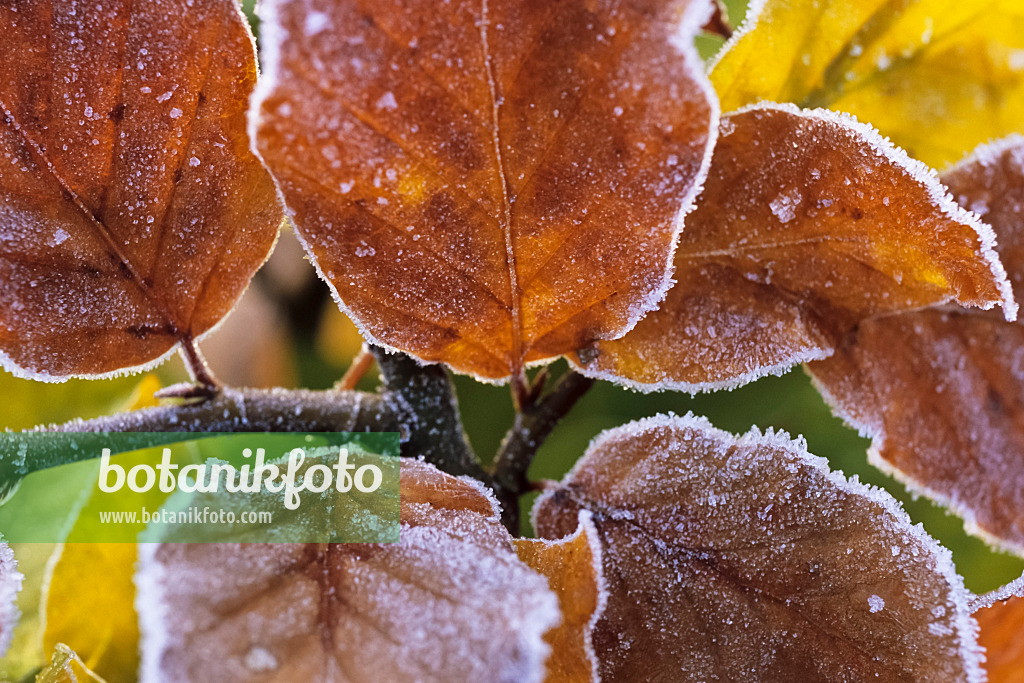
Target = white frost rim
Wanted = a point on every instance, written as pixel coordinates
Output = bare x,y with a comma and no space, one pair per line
961,598
694,17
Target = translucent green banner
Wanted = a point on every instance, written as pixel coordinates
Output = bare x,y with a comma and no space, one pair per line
326,487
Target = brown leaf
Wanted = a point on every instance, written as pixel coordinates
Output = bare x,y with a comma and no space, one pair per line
808,223
10,585
487,183
748,560
990,182
573,569
132,213
1000,618
450,602
941,393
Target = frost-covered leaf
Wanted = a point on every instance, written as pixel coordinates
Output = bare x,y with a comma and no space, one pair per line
88,597
1000,616
10,584
746,559
450,602
88,606
573,568
808,223
990,182
941,393
937,76
25,653
487,183
132,213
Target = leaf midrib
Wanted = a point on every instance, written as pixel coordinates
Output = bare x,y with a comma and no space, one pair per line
505,218
99,226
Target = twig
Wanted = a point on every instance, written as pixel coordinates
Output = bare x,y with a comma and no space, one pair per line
360,364
423,398
531,428
206,383
522,393
274,410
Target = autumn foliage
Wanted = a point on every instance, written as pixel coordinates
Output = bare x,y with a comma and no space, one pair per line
488,186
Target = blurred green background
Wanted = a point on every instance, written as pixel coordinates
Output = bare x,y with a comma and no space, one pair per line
287,332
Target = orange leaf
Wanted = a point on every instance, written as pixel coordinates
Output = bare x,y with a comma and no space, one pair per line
748,560
941,393
809,222
450,602
133,213
573,569
487,183
1000,616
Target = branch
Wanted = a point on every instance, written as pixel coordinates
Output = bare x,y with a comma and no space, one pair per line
531,428
423,399
274,410
416,401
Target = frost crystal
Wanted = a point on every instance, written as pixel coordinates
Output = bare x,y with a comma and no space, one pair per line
739,550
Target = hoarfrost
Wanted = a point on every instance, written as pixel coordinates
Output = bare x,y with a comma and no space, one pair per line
784,206
450,601
387,101
453,162
10,586
73,300
315,23
963,450
797,212
729,593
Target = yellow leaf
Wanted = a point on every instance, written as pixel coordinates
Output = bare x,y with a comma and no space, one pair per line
28,403
143,395
90,595
34,403
936,76
572,566
26,651
90,605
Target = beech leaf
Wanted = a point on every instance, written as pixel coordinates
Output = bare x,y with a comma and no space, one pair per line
450,602
88,608
487,184
132,213
1000,616
941,392
746,559
573,568
938,77
808,223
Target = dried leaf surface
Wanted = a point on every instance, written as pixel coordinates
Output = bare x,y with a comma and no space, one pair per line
573,568
941,393
451,602
937,76
1001,632
808,223
132,213
746,559
487,183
